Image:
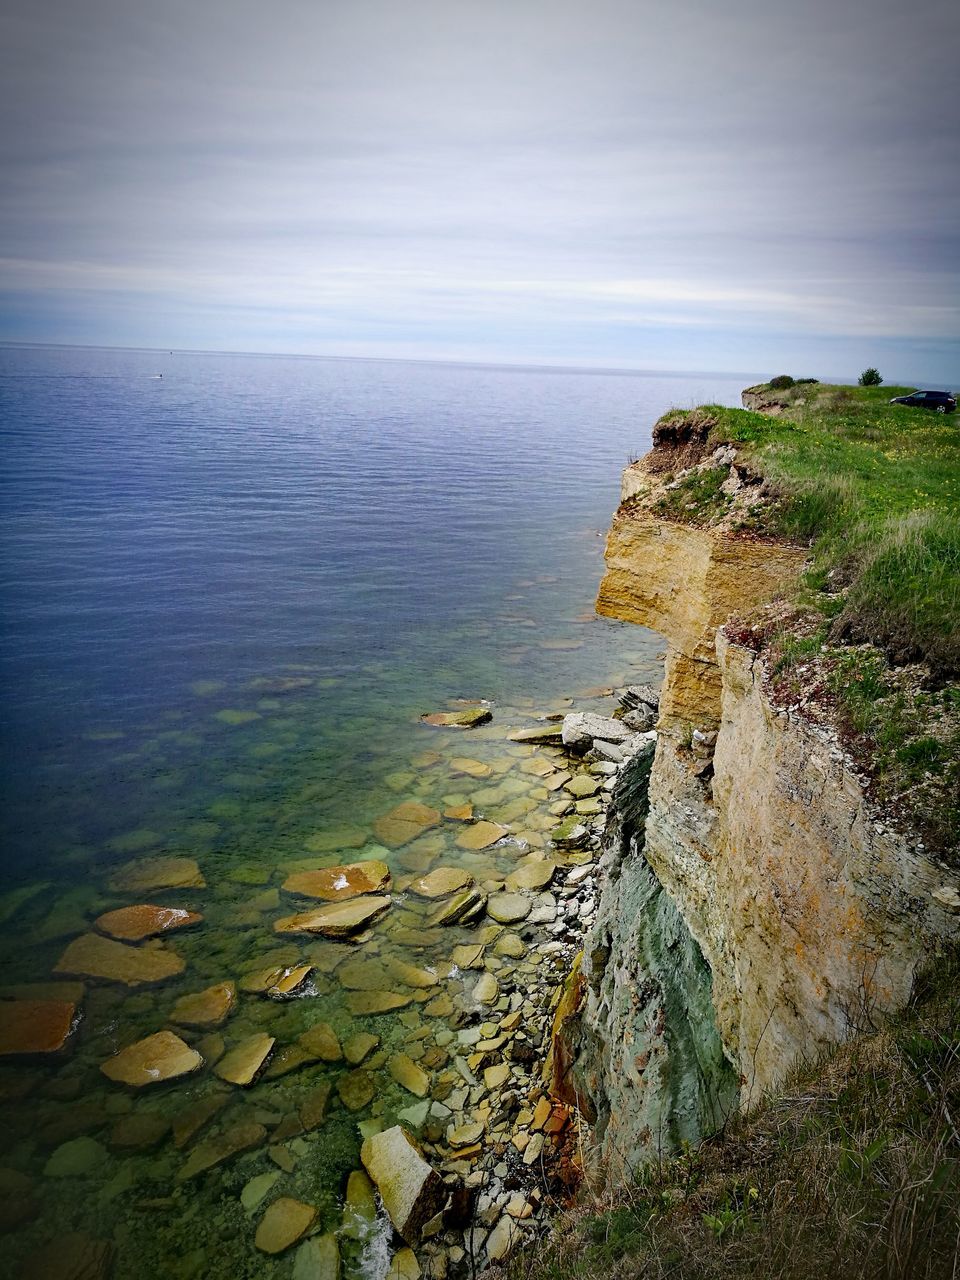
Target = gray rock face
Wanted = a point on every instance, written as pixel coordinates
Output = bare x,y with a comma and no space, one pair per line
411,1190
580,728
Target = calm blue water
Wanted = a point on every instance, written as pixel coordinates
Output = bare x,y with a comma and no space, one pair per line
248,516
229,594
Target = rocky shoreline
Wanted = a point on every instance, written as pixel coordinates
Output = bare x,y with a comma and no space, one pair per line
447,945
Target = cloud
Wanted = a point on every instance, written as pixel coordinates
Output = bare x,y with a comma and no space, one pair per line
410,166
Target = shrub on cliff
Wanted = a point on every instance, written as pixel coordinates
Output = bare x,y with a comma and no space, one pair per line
870,378
782,382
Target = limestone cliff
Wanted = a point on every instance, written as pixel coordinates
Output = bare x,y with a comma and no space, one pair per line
760,909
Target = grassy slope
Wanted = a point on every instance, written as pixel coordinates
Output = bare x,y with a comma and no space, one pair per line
852,1170
871,642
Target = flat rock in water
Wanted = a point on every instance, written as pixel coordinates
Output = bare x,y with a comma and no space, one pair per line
580,728
285,1222
134,924
582,785
337,884
363,1002
412,1192
508,908
321,1040
162,1056
313,1108
226,1145
318,1259
147,875
257,1189
405,823
290,982
34,1026
94,956
358,1046
486,989
473,768
188,1122
79,1158
138,1131
337,919
440,882
406,1073
209,1008
462,906
70,1256
534,873
464,1135
467,718
481,835
356,1089
542,733
245,1061
459,813
469,955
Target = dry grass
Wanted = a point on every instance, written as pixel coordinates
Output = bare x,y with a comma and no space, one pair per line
853,1171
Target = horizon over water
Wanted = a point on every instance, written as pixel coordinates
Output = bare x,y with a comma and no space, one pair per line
229,594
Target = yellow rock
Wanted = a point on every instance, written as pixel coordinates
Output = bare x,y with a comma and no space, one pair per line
93,956
209,1008
159,1057
134,924
35,1026
440,882
321,1040
147,875
337,919
405,823
336,884
285,1222
481,835
406,1072
246,1060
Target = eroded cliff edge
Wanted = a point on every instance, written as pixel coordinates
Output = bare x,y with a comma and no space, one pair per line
756,908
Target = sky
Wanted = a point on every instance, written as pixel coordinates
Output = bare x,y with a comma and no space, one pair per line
752,186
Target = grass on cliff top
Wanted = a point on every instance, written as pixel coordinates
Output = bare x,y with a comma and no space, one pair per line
874,490
852,1170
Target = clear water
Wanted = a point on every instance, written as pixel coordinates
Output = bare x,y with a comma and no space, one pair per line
228,594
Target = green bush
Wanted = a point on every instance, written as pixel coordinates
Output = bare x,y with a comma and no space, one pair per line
870,378
782,382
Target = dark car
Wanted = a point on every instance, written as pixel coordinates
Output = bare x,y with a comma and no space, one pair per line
939,401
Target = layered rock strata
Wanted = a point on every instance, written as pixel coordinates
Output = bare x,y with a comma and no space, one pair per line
762,899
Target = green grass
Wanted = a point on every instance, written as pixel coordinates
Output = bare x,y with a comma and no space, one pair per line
852,1170
873,489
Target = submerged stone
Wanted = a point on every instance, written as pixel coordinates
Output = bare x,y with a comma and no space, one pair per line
318,1259
358,1046
337,884
544,733
321,1040
481,835
285,1222
134,924
364,1002
224,1146
359,1206
138,1131
508,908
337,919
411,1191
188,1123
71,1255
162,1056
208,1008
148,875
94,956
356,1089
473,768
405,823
35,1026
79,1158
534,873
440,882
467,718
244,1062
257,1189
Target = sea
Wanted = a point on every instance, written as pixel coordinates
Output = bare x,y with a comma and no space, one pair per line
232,585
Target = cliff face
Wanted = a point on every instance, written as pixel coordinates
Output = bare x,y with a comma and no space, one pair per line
761,909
